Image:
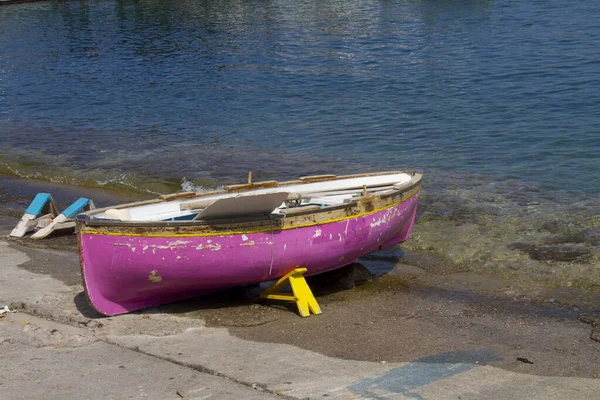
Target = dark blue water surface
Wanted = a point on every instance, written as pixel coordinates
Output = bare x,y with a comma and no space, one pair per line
212,89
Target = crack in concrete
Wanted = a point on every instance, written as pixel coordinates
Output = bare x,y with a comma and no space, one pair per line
43,337
205,370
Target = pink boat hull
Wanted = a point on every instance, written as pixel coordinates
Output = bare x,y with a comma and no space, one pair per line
131,272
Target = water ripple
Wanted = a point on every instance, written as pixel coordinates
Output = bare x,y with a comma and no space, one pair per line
501,88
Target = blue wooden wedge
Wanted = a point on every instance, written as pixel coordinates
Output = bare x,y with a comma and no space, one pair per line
42,208
65,219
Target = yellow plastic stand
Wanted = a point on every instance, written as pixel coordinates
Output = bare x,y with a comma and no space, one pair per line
302,294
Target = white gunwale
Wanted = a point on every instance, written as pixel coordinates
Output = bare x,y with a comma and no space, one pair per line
390,184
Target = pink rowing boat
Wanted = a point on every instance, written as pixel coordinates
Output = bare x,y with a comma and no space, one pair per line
143,254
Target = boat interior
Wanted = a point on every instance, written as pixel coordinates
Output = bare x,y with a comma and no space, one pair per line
309,193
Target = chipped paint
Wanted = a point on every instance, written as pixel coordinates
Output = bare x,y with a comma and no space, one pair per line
250,243
318,233
169,246
154,277
244,238
211,247
178,243
377,223
131,247
384,219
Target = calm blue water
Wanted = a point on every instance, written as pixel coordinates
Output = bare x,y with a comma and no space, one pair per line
159,90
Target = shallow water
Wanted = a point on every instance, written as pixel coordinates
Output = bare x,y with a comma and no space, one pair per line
208,90
497,101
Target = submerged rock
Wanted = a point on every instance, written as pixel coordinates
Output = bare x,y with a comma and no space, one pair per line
553,252
588,236
567,238
591,236
553,227
521,246
559,253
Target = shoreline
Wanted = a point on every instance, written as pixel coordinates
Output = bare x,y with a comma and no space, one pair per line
451,236
389,273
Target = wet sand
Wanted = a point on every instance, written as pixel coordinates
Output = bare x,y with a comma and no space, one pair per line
409,314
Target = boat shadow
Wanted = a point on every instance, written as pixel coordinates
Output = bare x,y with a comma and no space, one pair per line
324,286
230,298
246,298
84,306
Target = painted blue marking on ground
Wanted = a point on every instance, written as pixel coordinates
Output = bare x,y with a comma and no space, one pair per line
421,372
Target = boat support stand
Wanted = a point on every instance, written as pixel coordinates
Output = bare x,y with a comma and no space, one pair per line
301,293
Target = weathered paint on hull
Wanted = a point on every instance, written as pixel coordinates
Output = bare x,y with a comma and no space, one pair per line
127,273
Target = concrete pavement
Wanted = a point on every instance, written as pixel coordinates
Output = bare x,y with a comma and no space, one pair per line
42,360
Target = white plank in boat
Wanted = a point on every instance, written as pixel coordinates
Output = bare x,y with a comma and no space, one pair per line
233,207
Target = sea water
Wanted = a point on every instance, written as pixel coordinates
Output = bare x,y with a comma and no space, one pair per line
498,102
